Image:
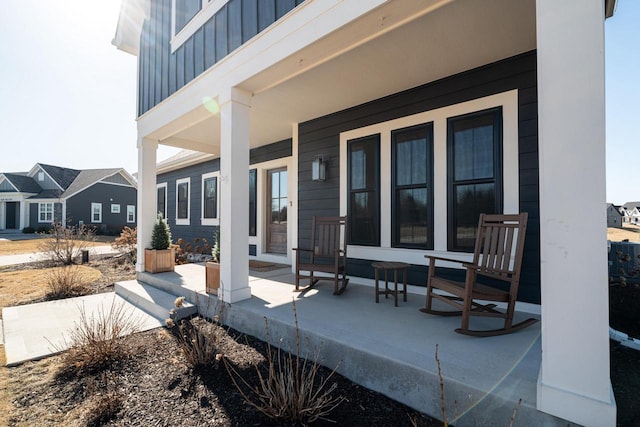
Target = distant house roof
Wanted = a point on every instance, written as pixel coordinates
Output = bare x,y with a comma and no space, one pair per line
64,177
69,181
87,178
23,183
631,205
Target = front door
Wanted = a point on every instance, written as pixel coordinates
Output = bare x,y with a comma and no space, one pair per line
11,208
277,208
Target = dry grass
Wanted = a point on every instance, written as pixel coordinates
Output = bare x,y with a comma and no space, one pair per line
25,286
15,247
629,231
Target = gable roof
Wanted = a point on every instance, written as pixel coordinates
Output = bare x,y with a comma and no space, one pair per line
631,205
62,176
23,183
88,177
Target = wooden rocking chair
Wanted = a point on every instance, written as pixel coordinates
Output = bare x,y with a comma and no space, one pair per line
498,256
329,253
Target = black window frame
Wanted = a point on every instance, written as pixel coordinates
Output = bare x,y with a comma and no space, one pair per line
395,226
253,202
162,211
374,140
452,183
205,198
186,200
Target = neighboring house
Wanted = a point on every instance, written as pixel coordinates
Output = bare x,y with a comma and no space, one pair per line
614,216
102,198
424,114
632,212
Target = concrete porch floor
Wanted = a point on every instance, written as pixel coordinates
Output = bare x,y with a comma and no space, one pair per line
385,348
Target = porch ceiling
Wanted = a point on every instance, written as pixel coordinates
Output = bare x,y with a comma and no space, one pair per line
400,45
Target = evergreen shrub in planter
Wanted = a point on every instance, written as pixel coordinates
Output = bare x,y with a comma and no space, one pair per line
160,258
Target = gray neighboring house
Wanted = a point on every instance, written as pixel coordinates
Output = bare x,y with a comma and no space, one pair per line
103,198
614,216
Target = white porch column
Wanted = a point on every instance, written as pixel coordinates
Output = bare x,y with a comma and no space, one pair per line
22,221
574,381
147,205
234,195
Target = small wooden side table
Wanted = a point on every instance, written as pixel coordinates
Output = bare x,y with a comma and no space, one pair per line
395,266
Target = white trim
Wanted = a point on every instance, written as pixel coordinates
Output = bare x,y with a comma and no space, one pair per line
208,8
99,206
215,220
509,103
40,212
260,239
131,210
115,208
187,220
166,193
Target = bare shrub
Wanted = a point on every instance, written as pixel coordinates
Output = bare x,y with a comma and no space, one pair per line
291,388
65,282
198,342
64,244
106,402
126,244
96,341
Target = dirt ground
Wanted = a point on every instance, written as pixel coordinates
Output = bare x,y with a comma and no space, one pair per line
628,232
27,246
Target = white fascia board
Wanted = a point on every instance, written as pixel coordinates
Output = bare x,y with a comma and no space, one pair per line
184,162
4,178
37,168
305,25
130,20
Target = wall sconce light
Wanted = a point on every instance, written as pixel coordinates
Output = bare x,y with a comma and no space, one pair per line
319,168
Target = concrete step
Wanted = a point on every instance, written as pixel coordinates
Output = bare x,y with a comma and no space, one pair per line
154,301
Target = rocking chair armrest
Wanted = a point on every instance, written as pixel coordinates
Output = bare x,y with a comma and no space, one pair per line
439,258
302,249
492,270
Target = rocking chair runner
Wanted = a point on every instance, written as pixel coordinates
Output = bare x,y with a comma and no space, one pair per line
499,238
329,253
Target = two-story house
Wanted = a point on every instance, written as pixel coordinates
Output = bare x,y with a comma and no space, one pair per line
441,108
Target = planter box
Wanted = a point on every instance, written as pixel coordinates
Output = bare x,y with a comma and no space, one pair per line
159,260
212,275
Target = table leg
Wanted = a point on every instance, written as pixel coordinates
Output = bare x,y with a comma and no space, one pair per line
404,276
377,287
386,284
395,286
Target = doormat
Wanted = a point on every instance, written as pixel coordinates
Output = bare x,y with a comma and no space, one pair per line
264,266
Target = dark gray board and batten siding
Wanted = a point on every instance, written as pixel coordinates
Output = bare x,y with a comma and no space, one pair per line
322,135
79,206
195,229
162,72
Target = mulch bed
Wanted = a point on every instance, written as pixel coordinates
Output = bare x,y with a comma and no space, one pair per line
156,388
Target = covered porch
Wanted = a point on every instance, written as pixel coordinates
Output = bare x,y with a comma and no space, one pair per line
385,348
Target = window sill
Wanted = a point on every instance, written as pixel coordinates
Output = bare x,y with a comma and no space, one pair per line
209,221
183,221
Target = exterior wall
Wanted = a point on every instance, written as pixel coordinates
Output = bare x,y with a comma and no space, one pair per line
195,229
79,206
322,136
614,219
33,215
163,72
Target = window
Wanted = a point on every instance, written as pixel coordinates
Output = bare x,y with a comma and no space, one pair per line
115,209
96,212
474,151
131,213
210,199
363,170
40,176
182,201
412,198
162,200
45,212
185,10
253,207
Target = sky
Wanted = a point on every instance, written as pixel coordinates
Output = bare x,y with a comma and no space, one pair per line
68,96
